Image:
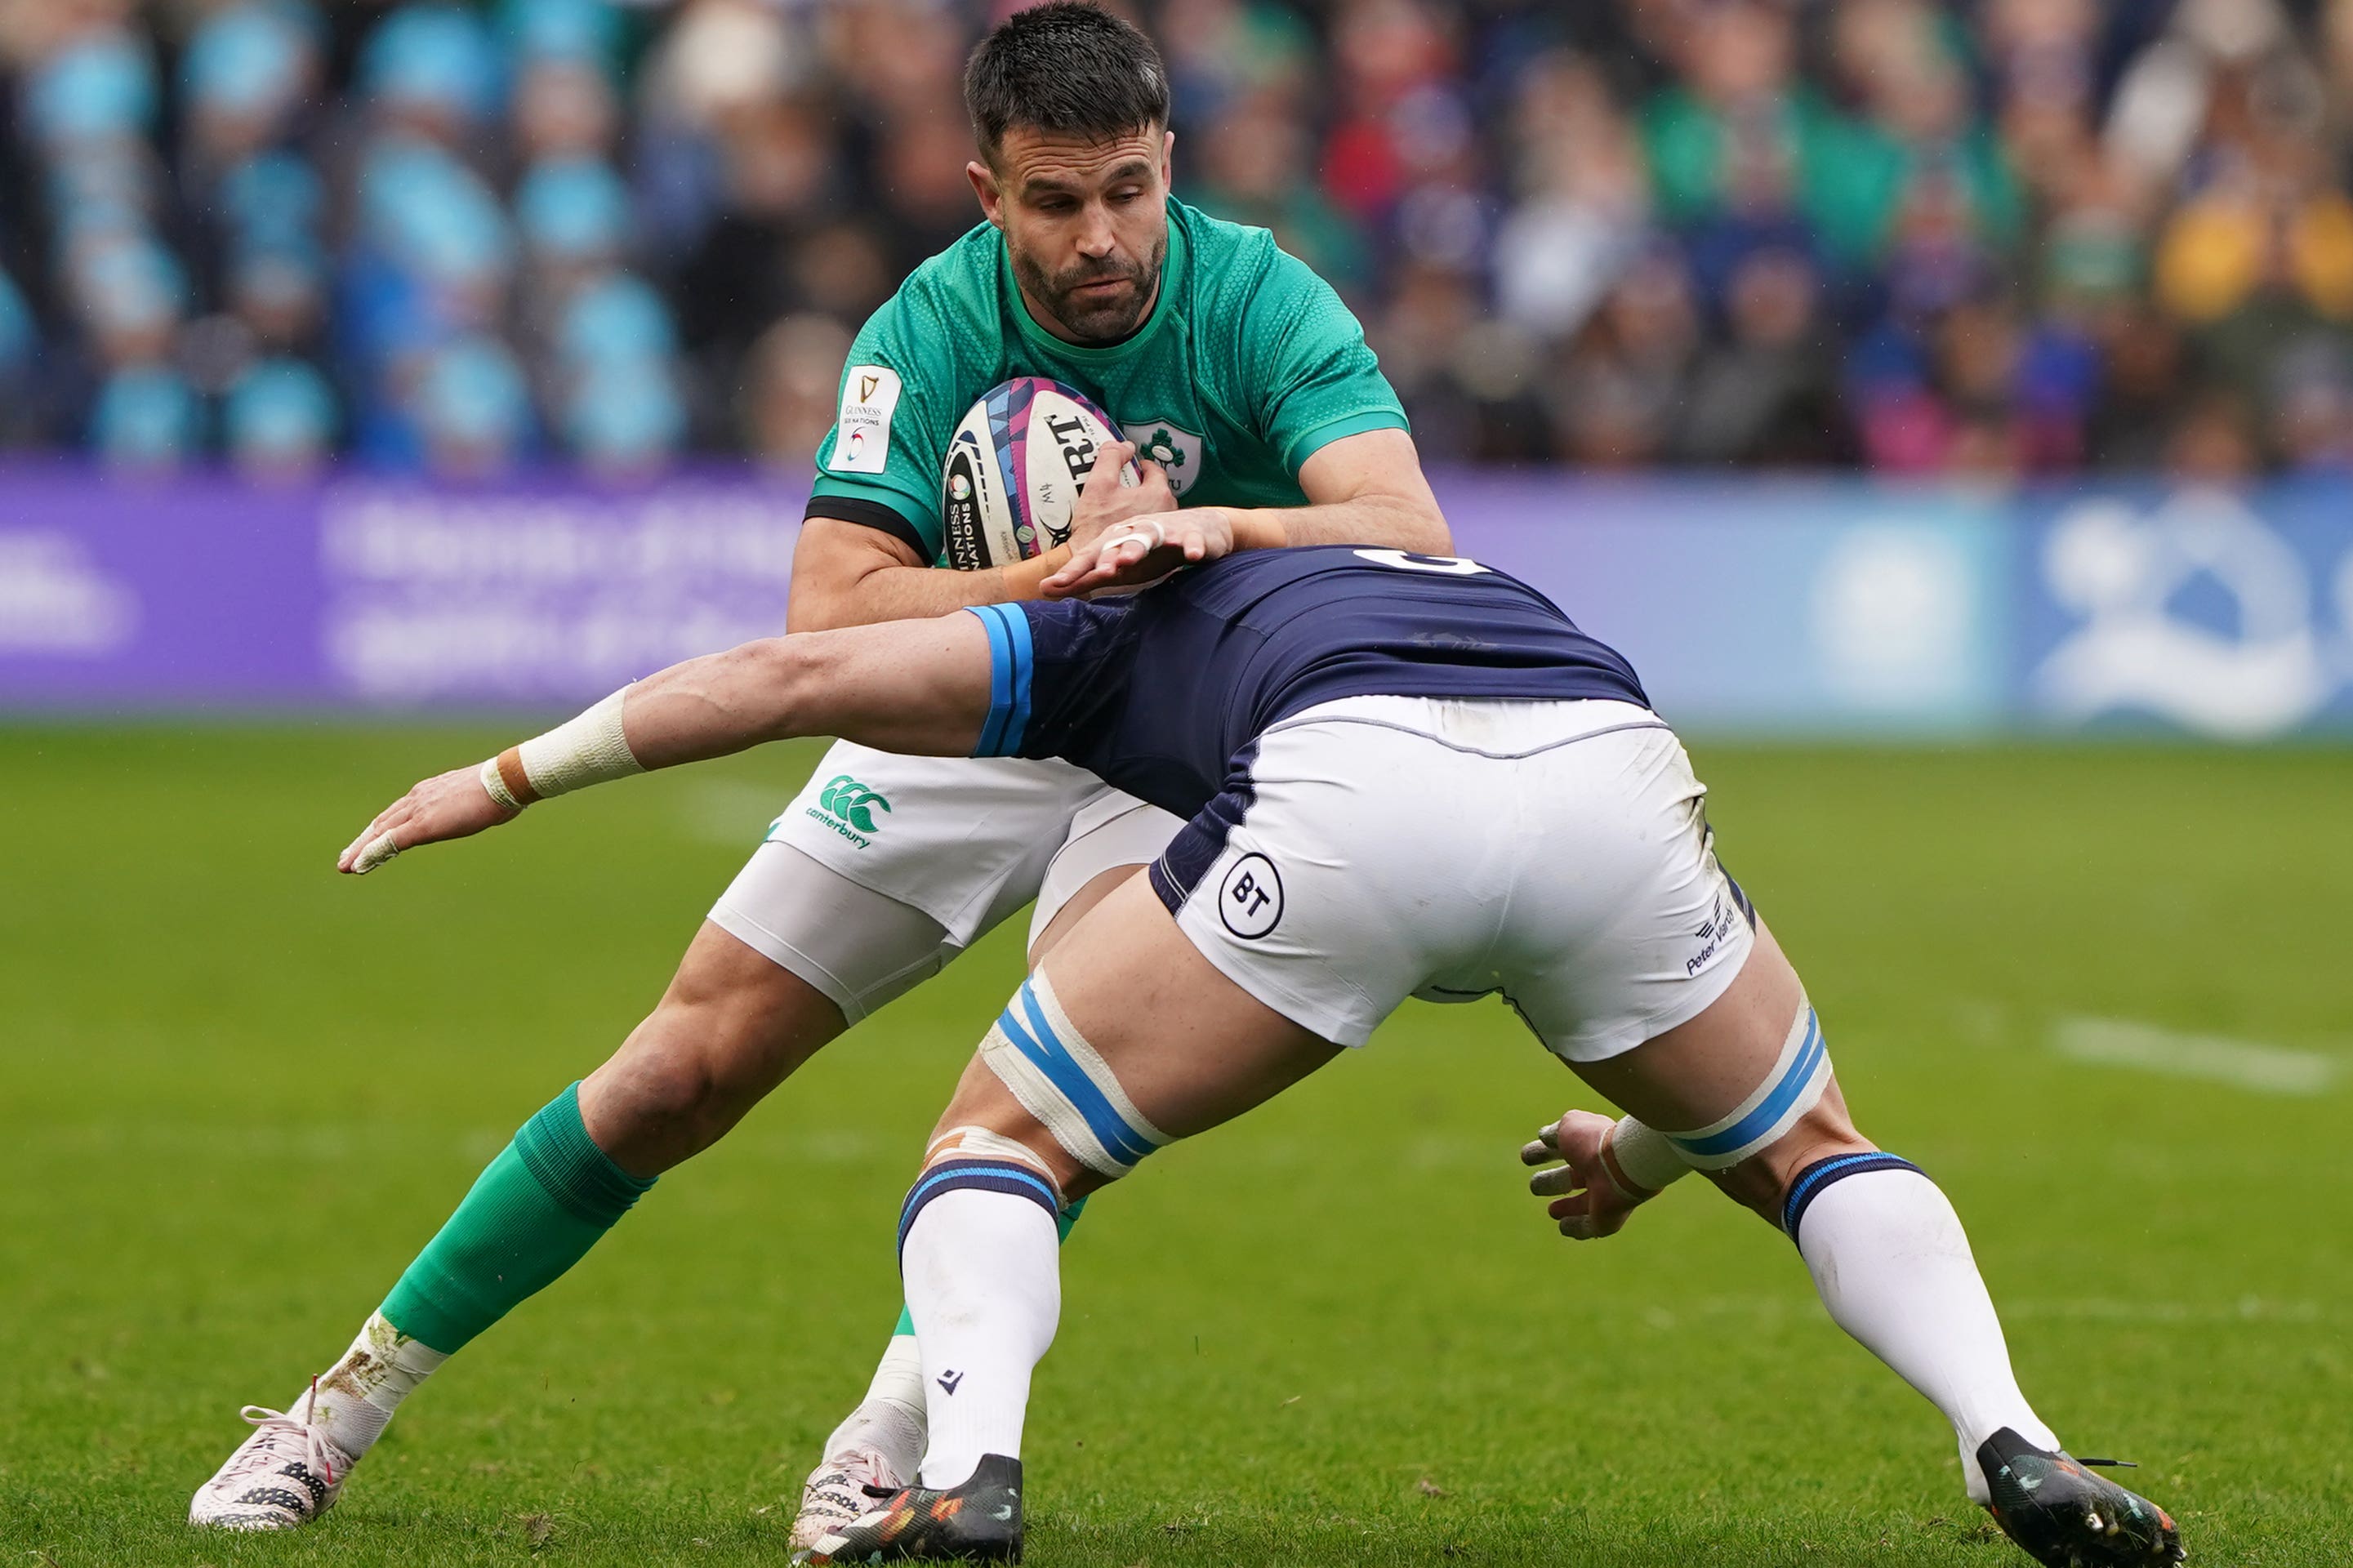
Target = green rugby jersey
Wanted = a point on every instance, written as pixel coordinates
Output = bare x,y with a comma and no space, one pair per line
1248,365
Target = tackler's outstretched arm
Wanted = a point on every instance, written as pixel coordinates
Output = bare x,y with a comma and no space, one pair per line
920,687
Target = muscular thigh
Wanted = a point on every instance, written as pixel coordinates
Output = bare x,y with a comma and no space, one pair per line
1730,1068
1693,1074
1640,962
1188,1047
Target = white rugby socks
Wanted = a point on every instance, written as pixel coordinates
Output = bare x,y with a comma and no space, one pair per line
1893,1265
357,1396
890,1419
983,1277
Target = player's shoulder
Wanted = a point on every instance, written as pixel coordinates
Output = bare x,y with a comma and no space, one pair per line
956,287
1252,297
1232,263
1218,243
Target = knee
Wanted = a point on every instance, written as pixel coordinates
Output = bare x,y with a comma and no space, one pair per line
704,1056
985,1122
1029,1148
693,1057
1762,1182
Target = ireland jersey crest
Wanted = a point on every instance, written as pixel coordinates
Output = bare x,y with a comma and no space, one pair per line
1178,451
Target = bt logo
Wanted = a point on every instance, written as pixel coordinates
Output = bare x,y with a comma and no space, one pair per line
1249,901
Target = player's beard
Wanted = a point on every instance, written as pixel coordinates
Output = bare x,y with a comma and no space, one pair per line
1112,320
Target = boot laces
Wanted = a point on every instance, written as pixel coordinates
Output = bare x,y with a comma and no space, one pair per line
280,1434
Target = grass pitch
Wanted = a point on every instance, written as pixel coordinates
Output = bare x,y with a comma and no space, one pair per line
237,1093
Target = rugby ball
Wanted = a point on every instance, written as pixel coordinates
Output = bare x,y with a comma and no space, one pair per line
1014,467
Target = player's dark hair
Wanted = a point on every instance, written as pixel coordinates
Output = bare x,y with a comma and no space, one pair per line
1066,67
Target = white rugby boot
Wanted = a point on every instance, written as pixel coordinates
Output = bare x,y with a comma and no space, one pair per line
283,1476
850,1481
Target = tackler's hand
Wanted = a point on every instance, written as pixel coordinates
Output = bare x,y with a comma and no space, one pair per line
454,804
1126,531
1117,488
1589,1200
1145,549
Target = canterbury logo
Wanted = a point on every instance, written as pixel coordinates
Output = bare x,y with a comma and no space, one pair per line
852,802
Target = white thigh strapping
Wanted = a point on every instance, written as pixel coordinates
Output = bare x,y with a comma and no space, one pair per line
1800,1075
1038,1053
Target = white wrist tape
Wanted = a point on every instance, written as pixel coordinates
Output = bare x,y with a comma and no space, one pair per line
580,751
1646,1155
588,749
496,783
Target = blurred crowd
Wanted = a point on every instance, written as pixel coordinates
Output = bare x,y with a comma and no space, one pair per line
1995,239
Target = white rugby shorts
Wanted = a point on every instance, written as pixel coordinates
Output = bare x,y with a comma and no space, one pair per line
916,856
1385,847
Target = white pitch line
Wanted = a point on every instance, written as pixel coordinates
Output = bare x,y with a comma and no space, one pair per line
2242,1064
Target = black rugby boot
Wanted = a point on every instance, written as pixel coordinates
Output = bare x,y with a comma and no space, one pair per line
979,1521
2064,1516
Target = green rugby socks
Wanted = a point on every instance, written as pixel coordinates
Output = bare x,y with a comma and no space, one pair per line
532,1214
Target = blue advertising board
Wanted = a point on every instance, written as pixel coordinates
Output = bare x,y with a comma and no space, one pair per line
1783,606
2221,612
1766,605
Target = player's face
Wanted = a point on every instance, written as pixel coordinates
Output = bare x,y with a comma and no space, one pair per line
1086,225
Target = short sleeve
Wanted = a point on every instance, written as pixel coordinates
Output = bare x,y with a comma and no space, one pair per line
880,464
1313,378
1058,672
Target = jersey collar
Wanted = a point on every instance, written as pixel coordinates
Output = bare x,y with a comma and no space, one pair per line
1038,339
